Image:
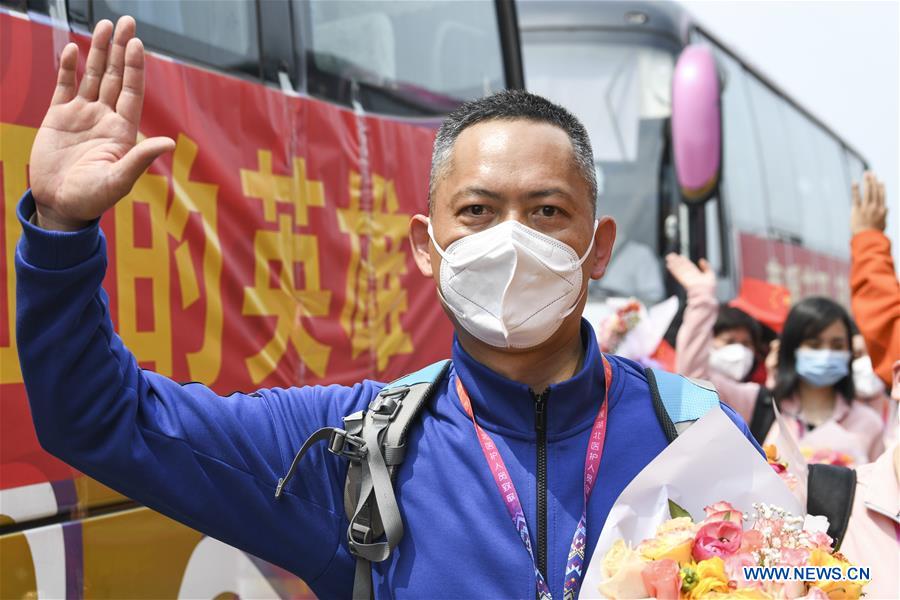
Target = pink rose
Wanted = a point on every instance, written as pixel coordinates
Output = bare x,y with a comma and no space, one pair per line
734,566
752,540
720,538
662,579
723,511
794,557
820,540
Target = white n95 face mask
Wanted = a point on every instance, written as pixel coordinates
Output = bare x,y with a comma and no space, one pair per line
734,361
510,286
866,382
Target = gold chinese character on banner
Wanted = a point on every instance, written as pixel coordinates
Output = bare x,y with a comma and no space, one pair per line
292,260
14,153
143,273
375,296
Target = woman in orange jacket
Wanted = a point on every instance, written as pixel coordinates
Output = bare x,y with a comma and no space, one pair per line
875,291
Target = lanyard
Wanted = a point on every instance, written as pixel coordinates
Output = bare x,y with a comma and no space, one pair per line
511,498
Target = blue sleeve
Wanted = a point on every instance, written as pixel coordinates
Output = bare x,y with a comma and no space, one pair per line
739,422
209,461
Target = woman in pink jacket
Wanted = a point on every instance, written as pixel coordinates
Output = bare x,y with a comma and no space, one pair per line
813,385
873,533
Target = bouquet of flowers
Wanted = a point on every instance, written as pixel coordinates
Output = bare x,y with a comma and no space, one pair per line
650,546
706,559
780,466
613,329
827,456
626,327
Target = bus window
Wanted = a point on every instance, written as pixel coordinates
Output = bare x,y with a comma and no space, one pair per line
777,161
219,34
403,58
743,187
834,203
855,167
276,43
812,188
620,88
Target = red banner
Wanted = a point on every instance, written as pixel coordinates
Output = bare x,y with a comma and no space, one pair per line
801,271
270,249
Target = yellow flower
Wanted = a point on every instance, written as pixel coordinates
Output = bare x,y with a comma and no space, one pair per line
673,540
621,569
821,558
841,590
836,590
615,558
711,578
679,524
712,567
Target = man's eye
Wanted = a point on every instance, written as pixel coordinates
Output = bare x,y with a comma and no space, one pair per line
476,210
549,211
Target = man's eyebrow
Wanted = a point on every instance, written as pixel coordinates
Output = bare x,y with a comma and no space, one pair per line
477,191
546,193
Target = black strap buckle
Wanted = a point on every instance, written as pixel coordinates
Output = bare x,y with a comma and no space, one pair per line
347,445
359,534
387,403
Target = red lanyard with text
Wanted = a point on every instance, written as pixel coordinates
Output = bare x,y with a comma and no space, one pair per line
575,563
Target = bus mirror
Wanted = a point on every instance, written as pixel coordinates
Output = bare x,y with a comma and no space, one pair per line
696,124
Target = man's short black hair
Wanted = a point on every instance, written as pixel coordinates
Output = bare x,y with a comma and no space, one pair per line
511,105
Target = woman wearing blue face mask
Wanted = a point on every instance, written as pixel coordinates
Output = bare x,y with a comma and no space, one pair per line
814,386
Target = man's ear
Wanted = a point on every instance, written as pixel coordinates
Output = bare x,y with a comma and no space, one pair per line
604,238
420,242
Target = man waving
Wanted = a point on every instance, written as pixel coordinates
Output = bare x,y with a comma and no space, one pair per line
494,491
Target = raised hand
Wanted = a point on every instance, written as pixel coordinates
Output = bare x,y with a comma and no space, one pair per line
689,275
84,157
868,210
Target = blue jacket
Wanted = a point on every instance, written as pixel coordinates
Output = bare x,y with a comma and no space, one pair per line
213,462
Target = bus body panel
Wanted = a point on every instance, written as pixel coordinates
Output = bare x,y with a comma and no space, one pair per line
135,553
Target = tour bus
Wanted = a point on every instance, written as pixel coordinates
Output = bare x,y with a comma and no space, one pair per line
270,249
775,215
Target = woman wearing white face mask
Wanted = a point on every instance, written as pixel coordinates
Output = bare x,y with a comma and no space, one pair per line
713,343
814,383
870,389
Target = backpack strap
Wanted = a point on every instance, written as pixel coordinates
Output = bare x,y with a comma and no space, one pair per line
829,492
763,415
374,442
679,401
368,489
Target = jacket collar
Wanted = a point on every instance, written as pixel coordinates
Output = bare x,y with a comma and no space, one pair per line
791,406
880,486
508,407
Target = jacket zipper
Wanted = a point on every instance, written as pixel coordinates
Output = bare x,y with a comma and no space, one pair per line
540,426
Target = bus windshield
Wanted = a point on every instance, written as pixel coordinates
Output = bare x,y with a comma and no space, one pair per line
621,91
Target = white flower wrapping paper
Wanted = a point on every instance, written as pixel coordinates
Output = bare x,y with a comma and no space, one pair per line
711,461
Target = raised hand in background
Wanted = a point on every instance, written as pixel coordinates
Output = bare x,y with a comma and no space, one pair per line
689,275
868,210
